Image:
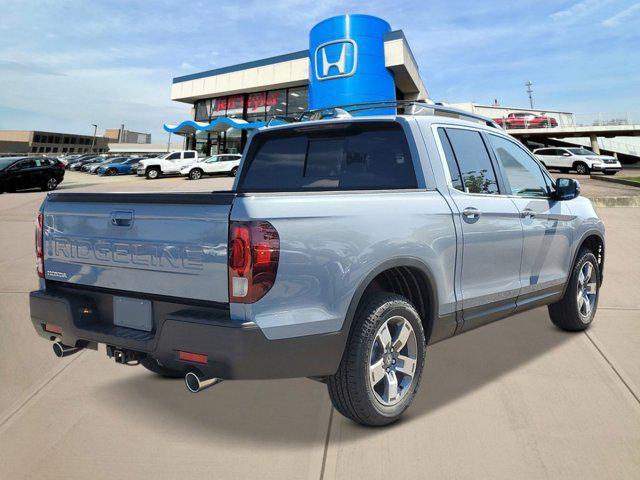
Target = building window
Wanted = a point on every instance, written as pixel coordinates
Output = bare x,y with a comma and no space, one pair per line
71,150
235,106
57,140
36,138
34,149
298,100
50,139
203,110
65,140
256,106
276,102
55,149
47,149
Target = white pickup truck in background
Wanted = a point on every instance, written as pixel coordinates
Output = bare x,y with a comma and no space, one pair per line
167,164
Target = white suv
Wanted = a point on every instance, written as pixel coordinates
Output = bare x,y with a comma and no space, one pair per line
167,164
579,159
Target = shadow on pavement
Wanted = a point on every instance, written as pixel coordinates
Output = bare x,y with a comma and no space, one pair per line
289,411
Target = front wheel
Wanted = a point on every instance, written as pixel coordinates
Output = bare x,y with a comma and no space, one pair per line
382,363
195,174
582,168
575,311
110,172
153,173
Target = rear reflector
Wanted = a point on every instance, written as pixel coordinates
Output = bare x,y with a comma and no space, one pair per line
53,328
192,357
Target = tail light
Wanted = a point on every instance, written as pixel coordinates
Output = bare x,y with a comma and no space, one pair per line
254,251
39,249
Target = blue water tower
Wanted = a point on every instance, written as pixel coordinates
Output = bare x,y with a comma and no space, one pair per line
347,63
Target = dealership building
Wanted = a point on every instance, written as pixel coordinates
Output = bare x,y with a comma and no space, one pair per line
351,59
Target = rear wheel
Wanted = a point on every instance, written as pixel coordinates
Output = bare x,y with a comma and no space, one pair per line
575,311
153,173
581,168
51,184
382,364
195,174
233,171
152,365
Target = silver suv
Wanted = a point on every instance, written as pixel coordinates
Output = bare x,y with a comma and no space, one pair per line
349,244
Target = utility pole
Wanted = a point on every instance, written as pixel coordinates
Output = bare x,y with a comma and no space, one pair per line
95,130
169,142
529,84
121,136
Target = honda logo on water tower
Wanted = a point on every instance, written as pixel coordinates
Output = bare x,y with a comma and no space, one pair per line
336,59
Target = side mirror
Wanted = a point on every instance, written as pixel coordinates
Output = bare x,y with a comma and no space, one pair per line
567,189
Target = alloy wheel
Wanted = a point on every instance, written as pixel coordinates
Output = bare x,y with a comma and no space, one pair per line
52,183
587,291
392,361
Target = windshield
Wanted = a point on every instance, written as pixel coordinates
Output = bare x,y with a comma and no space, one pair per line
5,162
580,151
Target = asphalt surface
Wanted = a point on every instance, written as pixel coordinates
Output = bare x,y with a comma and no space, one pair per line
514,399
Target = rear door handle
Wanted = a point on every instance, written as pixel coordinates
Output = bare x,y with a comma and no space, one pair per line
528,213
471,215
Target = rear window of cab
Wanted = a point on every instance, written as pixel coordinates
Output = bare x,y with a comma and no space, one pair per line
335,156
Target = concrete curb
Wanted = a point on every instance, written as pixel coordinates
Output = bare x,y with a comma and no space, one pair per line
629,201
621,181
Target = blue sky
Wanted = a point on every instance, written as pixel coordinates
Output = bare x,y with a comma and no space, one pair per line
67,64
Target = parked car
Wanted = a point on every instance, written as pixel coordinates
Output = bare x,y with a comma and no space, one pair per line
121,167
580,159
167,164
21,173
79,158
93,167
349,245
526,120
215,164
76,166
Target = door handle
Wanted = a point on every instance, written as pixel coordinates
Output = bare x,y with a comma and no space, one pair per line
471,215
528,213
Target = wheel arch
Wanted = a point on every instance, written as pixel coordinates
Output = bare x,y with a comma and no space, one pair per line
594,239
406,276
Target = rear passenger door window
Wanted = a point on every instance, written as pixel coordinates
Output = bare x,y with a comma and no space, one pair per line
524,176
473,161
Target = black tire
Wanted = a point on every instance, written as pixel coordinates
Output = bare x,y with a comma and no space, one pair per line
152,173
153,366
111,172
581,168
350,388
50,184
195,174
233,172
566,314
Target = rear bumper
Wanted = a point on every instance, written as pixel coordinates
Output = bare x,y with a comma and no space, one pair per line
234,350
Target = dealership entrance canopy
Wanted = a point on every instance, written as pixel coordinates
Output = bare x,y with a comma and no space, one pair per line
351,59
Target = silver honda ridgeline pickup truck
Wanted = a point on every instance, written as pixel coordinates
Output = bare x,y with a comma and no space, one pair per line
347,245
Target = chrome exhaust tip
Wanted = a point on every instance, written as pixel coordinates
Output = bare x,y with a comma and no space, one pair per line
196,383
62,350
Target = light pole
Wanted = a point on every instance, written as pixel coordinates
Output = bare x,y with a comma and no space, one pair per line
95,130
529,84
169,142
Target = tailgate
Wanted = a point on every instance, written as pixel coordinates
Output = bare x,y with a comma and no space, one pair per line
172,244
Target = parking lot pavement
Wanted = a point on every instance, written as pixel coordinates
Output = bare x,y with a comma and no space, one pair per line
515,399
